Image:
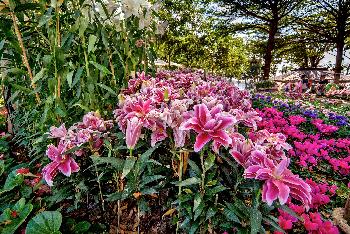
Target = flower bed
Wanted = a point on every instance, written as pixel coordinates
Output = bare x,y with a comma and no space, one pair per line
190,153
320,151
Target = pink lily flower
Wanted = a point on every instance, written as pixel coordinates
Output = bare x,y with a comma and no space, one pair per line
279,182
210,125
94,122
60,162
133,132
59,132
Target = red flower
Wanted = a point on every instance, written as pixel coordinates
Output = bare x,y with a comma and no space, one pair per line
14,214
22,171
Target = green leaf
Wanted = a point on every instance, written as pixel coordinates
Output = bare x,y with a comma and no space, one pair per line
107,88
209,161
2,43
145,156
92,41
13,180
70,78
39,75
273,222
230,214
128,166
2,167
117,163
211,212
47,222
215,190
149,179
291,212
255,221
23,210
82,227
197,201
188,182
101,67
194,167
77,76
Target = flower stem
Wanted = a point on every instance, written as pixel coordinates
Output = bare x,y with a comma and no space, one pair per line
179,192
203,172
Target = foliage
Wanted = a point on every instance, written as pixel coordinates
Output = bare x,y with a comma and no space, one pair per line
69,57
265,84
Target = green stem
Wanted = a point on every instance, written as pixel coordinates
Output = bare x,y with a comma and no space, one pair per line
203,172
179,193
100,188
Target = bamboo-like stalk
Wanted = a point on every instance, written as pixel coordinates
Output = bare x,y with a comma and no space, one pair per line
24,54
58,44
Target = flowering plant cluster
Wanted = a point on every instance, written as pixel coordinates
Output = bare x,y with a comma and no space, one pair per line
189,112
317,147
91,131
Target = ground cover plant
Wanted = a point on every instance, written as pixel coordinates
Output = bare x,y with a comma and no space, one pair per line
320,153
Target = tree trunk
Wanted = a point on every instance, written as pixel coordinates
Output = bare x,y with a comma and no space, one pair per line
339,59
269,49
341,27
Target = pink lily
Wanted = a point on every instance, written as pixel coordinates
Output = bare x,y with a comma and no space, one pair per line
59,132
210,125
133,132
279,182
60,162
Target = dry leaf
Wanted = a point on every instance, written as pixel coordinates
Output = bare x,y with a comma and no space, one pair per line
169,212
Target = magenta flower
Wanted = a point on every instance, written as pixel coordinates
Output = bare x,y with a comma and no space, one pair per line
133,132
210,125
279,182
59,132
60,162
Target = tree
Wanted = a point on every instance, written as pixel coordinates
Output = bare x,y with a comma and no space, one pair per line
269,17
330,22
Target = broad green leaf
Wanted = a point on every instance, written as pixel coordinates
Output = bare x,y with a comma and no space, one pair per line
39,75
101,67
209,161
128,166
70,78
91,45
47,222
13,180
107,88
22,209
255,221
188,182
